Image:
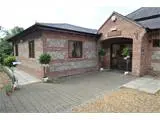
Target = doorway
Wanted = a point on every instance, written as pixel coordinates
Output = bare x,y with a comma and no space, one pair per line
117,59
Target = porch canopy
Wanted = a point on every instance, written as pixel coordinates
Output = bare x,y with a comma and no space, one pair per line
118,28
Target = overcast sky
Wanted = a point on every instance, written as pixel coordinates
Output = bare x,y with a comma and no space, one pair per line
85,13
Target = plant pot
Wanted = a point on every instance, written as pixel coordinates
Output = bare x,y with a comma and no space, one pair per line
126,73
45,79
101,61
8,93
101,69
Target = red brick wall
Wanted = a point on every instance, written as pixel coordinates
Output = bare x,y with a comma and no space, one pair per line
154,51
145,55
131,30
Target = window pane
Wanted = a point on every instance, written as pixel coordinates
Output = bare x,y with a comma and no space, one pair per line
16,49
29,44
75,49
156,43
31,49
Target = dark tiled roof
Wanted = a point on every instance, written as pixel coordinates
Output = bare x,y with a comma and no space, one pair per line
144,12
151,23
148,17
56,26
66,26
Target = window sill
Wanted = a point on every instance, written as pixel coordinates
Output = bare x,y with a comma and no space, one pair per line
32,58
74,59
155,48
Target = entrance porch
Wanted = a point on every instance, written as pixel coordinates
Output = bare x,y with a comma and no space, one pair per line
114,48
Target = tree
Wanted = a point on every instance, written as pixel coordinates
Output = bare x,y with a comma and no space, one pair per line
5,50
2,32
5,46
45,59
12,32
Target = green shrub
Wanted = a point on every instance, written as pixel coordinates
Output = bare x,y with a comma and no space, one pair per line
8,88
125,52
45,58
102,52
9,61
5,50
1,68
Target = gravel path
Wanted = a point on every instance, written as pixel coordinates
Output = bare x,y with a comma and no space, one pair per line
123,100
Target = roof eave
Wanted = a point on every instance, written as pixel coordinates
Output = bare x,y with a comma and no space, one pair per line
61,29
126,18
31,28
43,27
152,29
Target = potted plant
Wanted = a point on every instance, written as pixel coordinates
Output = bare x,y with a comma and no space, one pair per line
101,55
8,89
125,53
8,61
44,60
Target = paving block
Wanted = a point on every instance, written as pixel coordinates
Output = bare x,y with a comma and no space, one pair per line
146,84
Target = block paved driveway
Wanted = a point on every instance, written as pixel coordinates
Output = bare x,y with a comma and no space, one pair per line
61,97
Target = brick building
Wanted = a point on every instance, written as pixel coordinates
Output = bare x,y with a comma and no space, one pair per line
74,49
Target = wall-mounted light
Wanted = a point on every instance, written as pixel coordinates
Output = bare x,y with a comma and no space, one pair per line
114,18
21,41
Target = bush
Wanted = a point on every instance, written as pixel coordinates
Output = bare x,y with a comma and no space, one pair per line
1,68
8,88
102,52
9,61
45,58
125,52
5,50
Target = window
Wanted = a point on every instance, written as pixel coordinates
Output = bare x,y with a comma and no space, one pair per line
16,49
31,49
156,43
75,49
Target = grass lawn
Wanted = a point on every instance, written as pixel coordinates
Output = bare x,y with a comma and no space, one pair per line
123,100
